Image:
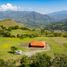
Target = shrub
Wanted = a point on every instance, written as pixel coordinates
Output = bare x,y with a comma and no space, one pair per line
25,61
59,61
40,60
6,63
13,49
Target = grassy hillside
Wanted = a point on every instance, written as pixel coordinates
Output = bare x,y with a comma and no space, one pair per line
19,31
9,23
20,38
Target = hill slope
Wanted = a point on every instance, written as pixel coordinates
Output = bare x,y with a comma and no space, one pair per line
34,19
58,26
29,18
9,23
58,16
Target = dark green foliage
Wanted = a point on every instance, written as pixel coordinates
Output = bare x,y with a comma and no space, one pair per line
26,35
24,28
13,28
9,28
57,26
41,60
3,27
38,60
32,35
25,61
51,30
18,35
59,61
6,34
16,27
57,34
42,31
13,49
6,63
2,63
64,34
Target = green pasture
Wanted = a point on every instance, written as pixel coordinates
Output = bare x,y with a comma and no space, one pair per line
19,31
56,44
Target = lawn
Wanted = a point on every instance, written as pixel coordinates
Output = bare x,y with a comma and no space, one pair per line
56,44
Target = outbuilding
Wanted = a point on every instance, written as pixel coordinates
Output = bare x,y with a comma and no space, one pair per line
40,44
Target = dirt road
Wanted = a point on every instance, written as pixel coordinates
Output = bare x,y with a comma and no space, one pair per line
34,51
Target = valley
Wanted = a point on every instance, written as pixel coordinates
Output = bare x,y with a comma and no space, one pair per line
15,37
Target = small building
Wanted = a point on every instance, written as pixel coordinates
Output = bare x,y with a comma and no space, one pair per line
18,52
40,44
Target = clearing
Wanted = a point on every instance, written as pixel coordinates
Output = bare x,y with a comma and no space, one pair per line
56,44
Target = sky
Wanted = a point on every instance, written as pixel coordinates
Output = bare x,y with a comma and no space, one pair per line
41,6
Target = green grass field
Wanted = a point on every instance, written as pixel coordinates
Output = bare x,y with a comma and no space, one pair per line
19,31
9,23
57,45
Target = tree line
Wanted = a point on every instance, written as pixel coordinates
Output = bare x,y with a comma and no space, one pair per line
5,32
38,60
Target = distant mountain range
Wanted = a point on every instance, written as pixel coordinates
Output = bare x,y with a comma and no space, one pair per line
31,18
57,26
58,16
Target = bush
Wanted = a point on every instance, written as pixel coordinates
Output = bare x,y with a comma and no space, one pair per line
6,63
59,61
25,61
40,60
13,49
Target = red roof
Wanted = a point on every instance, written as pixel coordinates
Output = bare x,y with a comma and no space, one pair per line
38,44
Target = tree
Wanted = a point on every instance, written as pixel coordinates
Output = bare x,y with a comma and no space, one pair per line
9,28
6,63
6,34
24,28
13,49
25,61
64,34
57,34
59,61
40,60
2,63
42,31
47,32
3,27
18,35
16,27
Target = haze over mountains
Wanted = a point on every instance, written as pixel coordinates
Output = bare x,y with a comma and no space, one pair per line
31,18
58,16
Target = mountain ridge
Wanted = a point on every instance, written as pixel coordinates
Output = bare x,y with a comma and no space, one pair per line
32,18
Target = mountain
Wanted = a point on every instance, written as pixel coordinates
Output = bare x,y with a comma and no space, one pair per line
29,18
58,25
58,16
34,19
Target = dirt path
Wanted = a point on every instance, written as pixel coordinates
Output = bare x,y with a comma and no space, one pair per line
33,52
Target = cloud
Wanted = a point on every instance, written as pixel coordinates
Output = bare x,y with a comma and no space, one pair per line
8,6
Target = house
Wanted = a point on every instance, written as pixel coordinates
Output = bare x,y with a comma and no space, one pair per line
40,44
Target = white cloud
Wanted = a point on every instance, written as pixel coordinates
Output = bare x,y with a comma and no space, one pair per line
8,6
